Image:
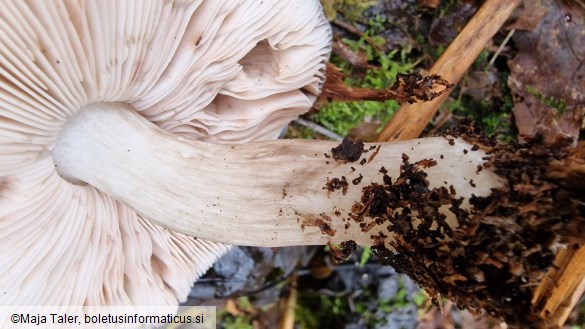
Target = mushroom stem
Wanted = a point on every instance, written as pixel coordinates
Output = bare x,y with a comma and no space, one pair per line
264,193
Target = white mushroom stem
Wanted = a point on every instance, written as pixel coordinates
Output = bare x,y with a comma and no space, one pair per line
263,194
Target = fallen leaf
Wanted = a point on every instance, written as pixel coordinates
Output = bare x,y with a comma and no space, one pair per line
527,15
232,308
547,77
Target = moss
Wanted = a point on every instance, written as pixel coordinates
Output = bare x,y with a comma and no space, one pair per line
558,104
351,10
342,117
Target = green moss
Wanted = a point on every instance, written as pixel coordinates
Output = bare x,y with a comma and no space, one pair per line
493,114
365,255
296,131
482,60
342,117
315,309
558,104
235,322
352,10
242,321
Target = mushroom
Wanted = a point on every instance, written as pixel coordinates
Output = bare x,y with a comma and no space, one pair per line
216,71
271,193
123,158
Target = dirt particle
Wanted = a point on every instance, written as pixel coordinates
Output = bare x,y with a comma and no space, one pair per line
479,169
373,155
337,184
367,227
348,151
426,163
325,228
340,253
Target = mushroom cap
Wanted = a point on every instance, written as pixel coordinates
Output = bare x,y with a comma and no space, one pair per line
222,71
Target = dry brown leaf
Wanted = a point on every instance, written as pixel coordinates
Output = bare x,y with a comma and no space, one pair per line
528,15
548,75
232,308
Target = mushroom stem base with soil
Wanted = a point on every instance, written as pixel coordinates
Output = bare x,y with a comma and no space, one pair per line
476,222
276,193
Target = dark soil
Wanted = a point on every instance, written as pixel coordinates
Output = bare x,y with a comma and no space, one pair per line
501,248
348,151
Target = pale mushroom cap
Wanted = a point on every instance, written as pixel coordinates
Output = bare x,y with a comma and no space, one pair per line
214,70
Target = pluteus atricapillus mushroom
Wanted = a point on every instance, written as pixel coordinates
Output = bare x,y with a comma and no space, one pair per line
136,144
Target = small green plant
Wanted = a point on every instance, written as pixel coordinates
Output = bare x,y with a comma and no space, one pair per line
493,115
482,60
558,104
365,256
353,10
419,298
235,322
399,300
315,309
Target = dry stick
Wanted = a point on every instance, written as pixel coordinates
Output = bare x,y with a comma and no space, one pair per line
411,119
354,30
559,295
562,287
318,129
288,305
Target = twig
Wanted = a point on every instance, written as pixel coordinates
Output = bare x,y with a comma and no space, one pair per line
318,129
501,47
288,304
409,87
354,30
411,119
